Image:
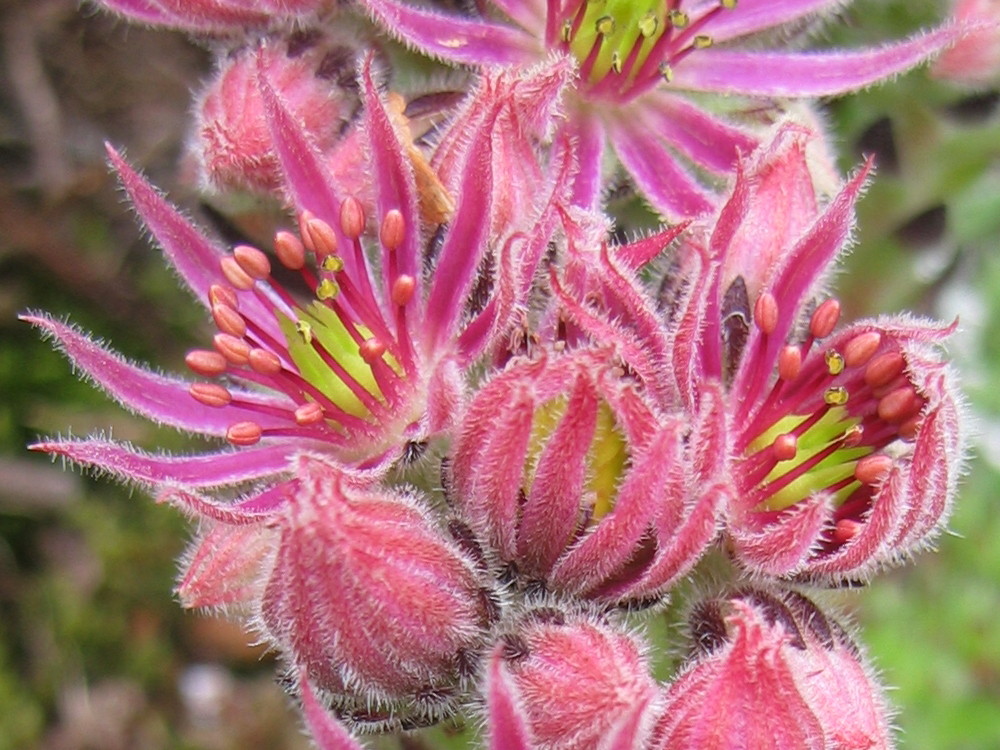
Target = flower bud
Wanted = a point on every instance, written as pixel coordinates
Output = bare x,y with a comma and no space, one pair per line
231,137
975,58
565,469
366,594
770,670
574,680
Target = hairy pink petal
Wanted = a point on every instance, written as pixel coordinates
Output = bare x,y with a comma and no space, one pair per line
798,74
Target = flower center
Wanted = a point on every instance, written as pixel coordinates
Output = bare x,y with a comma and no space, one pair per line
831,419
626,46
341,365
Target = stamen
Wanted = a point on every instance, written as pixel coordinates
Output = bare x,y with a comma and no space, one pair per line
393,230
789,362
223,295
352,218
403,289
290,250
264,362
371,350
861,348
332,263
253,261
909,429
205,363
884,368
244,433
834,362
845,530
835,395
702,41
899,405
228,320
605,25
765,313
786,447
310,413
872,469
327,289
648,24
235,275
728,4
853,436
678,19
666,72
235,350
317,235
211,394
824,319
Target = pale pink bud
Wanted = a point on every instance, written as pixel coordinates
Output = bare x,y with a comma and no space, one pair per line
770,670
571,680
367,595
975,58
232,138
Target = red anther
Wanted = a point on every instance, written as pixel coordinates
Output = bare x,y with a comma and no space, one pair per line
899,405
402,290
290,250
861,348
765,313
235,350
255,262
244,433
352,217
824,319
223,295
786,446
211,394
909,429
872,469
310,413
789,362
393,230
235,275
371,350
884,368
228,320
264,361
205,363
845,530
319,238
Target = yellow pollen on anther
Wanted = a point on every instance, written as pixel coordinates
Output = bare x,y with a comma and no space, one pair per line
702,41
728,4
304,330
616,62
835,395
605,25
666,72
834,362
567,31
327,289
649,24
333,263
679,19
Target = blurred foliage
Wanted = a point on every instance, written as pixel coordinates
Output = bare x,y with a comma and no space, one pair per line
94,653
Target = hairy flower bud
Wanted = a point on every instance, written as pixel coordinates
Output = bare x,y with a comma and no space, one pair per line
231,135
566,470
573,681
975,59
773,671
366,593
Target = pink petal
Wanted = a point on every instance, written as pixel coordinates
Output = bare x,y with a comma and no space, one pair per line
507,725
451,38
807,74
223,567
661,179
326,731
160,398
782,546
200,470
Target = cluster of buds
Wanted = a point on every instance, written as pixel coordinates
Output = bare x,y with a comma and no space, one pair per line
603,417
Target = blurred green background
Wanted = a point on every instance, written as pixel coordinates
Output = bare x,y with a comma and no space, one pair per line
94,651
